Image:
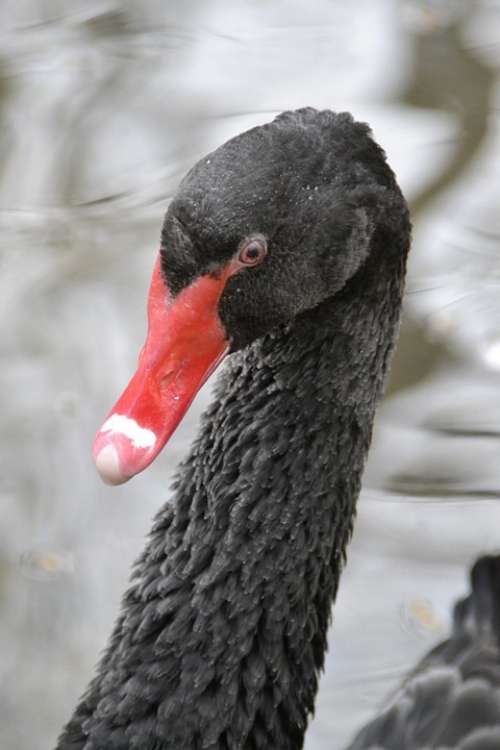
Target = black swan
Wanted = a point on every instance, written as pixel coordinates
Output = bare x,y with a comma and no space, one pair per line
452,699
287,248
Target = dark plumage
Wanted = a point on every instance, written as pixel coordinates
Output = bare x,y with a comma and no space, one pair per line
452,699
223,630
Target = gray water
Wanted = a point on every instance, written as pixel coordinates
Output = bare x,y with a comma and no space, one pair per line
103,106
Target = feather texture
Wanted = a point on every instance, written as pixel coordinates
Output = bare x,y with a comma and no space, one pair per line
452,699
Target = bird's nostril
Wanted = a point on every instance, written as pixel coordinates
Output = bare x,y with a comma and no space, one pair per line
167,379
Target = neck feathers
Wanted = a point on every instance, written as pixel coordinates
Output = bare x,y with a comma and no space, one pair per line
223,631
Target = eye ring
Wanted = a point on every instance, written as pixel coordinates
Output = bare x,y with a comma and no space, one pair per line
253,251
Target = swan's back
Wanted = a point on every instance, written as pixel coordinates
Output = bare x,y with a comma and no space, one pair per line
452,699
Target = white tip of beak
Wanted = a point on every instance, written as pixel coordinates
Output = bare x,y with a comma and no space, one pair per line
108,465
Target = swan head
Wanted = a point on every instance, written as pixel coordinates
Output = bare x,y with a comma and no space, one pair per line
312,186
263,229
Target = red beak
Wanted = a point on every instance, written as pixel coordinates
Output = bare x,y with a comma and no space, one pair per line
185,343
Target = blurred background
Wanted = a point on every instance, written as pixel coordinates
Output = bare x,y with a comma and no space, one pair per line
104,104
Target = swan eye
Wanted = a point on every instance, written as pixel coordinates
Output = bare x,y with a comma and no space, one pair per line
253,252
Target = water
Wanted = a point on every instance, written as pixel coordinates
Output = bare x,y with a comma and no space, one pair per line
104,105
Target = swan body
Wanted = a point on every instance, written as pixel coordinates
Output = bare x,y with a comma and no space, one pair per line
222,633
451,701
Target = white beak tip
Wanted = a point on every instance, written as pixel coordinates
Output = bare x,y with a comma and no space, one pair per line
107,463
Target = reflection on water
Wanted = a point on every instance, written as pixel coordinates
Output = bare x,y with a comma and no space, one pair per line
103,106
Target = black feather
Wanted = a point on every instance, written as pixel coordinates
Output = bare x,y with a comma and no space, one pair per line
452,700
